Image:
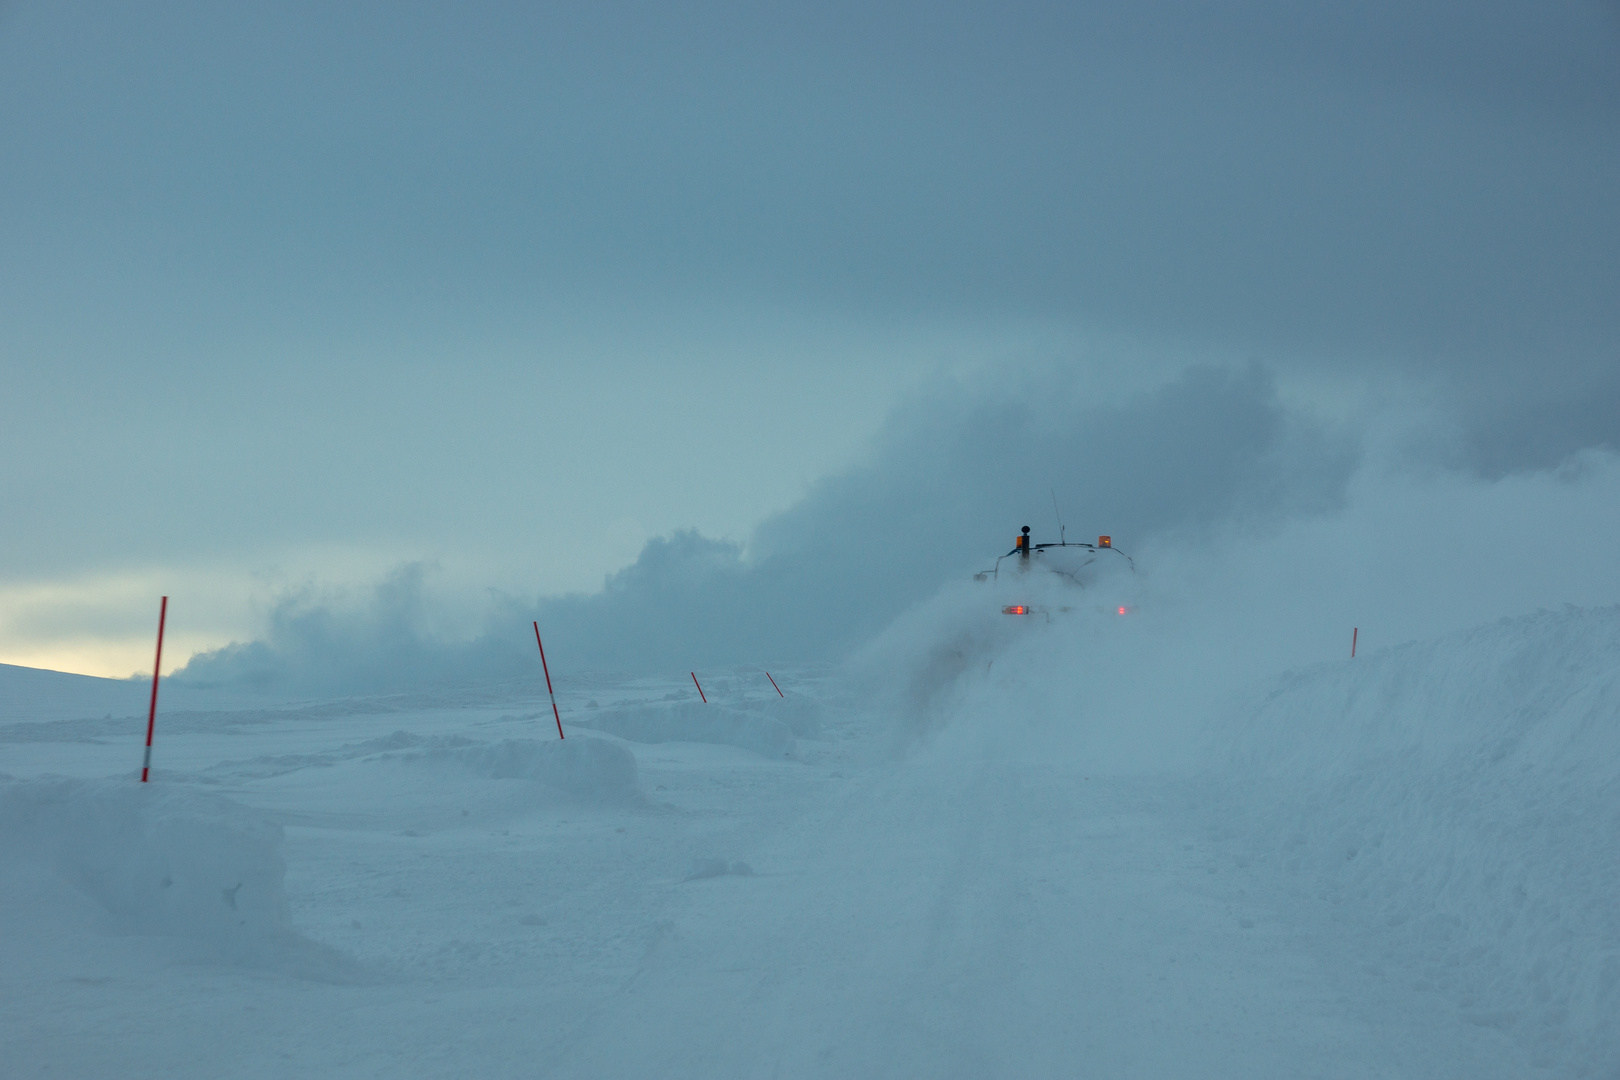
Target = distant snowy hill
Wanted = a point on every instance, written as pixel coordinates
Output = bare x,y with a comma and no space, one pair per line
35,695
38,694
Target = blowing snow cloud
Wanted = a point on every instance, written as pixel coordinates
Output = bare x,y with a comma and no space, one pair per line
952,477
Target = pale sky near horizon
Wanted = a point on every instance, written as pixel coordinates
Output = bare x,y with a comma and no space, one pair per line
295,293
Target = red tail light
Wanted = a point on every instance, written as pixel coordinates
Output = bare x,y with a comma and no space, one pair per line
1015,609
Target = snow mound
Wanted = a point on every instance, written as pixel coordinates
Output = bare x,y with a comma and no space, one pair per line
168,863
1460,798
691,721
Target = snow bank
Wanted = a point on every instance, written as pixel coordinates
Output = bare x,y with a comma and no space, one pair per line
1459,800
164,862
691,721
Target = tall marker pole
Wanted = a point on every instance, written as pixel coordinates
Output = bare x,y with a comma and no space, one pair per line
699,685
1354,630
151,711
547,670
778,689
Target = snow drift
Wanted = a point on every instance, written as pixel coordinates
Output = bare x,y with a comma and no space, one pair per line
1459,800
164,862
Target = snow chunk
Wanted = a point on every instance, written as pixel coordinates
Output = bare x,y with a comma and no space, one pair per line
165,862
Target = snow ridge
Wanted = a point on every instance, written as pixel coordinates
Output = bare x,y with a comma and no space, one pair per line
1459,799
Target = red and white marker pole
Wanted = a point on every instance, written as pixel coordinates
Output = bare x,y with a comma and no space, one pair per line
547,670
151,710
699,685
778,689
1354,630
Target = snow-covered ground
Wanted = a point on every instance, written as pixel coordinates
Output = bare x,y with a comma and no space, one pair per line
972,854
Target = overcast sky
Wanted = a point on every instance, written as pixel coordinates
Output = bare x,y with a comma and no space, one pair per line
297,292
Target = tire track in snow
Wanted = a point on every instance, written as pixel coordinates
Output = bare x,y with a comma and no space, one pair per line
962,916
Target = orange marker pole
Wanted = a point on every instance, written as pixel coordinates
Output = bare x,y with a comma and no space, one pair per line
699,685
1354,630
773,684
151,710
547,670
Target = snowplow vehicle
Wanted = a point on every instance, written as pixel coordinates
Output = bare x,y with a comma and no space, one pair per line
1046,578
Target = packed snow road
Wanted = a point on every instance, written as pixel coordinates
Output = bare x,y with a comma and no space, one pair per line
983,910
1019,924
765,889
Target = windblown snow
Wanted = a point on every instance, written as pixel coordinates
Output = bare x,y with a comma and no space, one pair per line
989,848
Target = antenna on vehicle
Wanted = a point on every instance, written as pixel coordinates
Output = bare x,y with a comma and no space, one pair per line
1062,540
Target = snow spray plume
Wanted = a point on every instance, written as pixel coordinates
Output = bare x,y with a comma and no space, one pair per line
952,475
1410,556
336,642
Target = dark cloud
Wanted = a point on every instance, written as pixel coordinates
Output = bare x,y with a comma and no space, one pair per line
1541,426
1397,188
